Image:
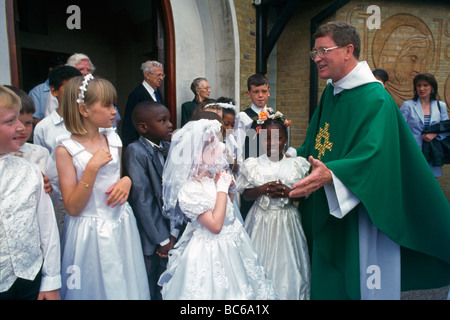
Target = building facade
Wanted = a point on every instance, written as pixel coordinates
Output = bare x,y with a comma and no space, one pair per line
220,40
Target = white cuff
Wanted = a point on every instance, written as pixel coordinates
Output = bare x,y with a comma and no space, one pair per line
49,283
162,244
175,233
340,199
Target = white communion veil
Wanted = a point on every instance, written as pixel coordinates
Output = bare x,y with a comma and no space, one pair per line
194,148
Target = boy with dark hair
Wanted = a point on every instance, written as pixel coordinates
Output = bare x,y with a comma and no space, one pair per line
259,92
45,133
144,162
41,95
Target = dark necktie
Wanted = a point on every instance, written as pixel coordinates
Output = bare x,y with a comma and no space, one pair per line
163,150
157,96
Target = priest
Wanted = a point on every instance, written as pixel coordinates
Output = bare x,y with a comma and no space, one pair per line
376,219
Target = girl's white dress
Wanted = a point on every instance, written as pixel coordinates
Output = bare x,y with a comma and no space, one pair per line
275,227
208,266
102,256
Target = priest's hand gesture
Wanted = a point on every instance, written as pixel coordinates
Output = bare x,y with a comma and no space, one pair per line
319,176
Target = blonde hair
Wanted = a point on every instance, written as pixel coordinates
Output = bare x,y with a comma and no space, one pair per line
9,100
98,90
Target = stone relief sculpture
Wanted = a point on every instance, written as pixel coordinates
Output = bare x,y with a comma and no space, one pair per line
404,46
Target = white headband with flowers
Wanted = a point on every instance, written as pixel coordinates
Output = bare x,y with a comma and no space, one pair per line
83,88
267,113
221,105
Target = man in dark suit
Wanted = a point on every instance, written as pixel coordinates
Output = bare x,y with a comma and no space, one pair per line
147,91
144,163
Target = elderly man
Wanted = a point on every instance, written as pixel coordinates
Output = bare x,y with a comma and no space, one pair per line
146,91
83,63
376,220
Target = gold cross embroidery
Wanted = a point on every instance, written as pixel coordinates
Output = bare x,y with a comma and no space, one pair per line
323,133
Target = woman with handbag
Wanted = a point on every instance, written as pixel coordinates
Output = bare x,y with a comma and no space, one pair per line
424,111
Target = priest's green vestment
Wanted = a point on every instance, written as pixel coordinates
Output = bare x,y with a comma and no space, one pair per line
362,137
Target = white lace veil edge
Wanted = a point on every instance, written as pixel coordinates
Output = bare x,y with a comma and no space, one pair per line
185,159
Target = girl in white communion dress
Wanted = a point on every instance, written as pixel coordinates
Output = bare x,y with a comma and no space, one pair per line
214,259
273,222
102,256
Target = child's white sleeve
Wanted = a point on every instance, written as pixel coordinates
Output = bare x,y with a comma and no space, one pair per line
291,152
50,243
242,124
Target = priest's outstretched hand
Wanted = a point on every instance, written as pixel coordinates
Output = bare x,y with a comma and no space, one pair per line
319,176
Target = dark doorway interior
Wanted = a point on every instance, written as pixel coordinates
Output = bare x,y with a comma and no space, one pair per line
117,35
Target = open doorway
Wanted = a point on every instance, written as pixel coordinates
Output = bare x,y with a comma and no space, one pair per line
117,35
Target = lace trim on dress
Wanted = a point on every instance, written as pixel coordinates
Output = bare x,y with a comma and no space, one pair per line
194,200
231,232
256,273
195,289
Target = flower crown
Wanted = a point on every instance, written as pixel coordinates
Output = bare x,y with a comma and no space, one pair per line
267,113
83,88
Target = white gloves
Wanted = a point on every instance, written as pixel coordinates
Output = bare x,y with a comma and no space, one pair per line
223,184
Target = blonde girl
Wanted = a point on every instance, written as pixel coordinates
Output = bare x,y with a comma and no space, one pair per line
101,250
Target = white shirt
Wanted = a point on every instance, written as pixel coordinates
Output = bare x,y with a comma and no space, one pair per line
256,108
51,104
29,237
48,130
150,90
46,134
36,154
160,156
173,232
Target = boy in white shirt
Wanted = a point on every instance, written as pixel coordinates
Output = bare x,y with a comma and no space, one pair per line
50,128
29,239
45,133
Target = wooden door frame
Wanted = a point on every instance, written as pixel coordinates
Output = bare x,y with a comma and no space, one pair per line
170,66
12,43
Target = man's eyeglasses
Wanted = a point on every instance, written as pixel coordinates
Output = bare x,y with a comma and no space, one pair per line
158,75
322,52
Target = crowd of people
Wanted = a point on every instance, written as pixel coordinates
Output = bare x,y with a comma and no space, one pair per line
222,208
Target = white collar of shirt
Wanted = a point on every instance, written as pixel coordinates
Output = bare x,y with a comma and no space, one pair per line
154,144
150,90
256,108
56,118
159,154
359,76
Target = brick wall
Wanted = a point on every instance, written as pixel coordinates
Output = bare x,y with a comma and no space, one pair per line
246,18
